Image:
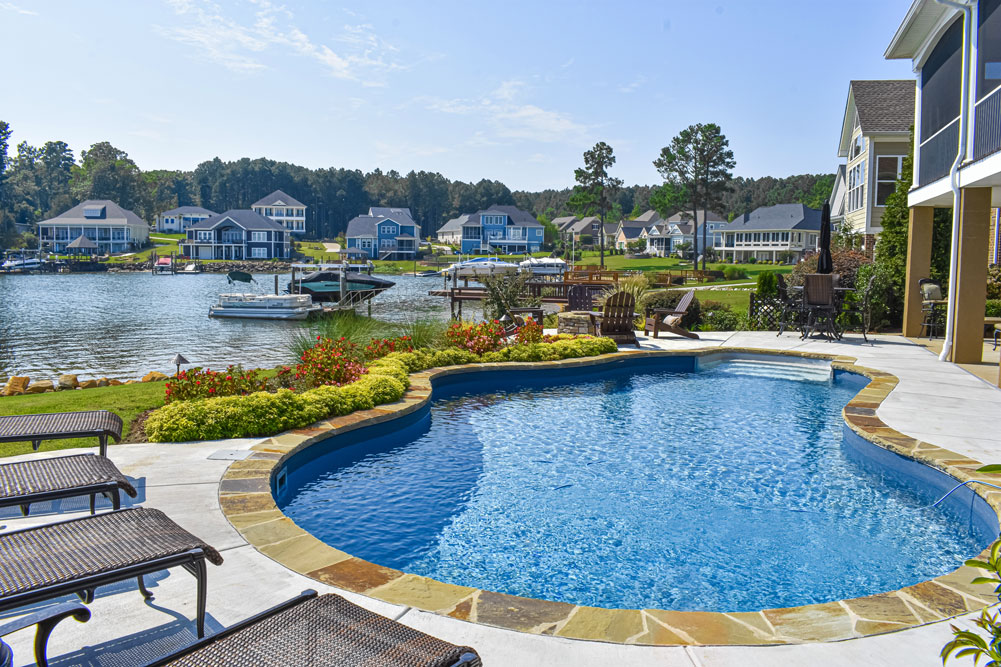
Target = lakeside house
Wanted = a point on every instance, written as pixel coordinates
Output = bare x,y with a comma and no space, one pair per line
563,222
589,226
784,232
177,220
384,233
237,234
875,138
500,229
102,221
630,230
664,237
284,209
957,156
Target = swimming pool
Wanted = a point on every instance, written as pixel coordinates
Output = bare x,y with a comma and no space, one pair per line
647,484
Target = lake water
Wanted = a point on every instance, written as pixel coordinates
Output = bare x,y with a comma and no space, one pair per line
123,325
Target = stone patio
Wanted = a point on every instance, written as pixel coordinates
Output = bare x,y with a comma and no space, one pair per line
183,481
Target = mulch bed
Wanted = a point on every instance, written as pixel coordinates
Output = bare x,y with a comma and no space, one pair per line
137,430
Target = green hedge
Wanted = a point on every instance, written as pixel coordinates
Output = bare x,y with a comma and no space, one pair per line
262,413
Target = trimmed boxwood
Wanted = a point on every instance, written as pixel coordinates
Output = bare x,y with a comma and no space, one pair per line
263,413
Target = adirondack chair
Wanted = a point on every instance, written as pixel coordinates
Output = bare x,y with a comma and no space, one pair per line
617,316
669,319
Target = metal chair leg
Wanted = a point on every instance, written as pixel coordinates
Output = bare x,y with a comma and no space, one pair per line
142,588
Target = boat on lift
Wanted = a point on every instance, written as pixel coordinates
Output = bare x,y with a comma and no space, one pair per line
480,266
324,286
544,266
265,306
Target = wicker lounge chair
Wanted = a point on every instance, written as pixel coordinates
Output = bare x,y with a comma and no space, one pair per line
617,318
62,425
27,482
324,631
669,319
77,556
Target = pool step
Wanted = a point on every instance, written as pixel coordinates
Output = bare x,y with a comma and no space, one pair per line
776,369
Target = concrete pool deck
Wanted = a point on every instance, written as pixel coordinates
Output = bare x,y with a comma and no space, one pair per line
182,481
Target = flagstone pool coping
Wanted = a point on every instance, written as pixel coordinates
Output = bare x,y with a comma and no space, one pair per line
247,502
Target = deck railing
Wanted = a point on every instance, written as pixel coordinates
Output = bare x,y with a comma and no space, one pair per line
938,152
987,125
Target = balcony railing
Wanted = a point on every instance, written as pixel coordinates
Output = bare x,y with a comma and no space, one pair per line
938,152
987,125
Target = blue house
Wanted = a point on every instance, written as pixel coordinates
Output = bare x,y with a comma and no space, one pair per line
236,234
385,233
498,229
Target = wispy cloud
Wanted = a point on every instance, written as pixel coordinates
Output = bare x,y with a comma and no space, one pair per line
633,85
11,7
510,118
240,44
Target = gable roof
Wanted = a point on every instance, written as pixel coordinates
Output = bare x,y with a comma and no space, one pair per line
111,212
631,232
583,225
277,196
781,217
922,17
837,199
646,217
189,210
515,214
564,221
82,243
455,224
242,217
882,107
401,215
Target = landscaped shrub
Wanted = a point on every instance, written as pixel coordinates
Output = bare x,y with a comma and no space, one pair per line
452,356
530,332
734,273
767,284
994,281
380,347
670,299
206,383
333,362
476,338
846,265
993,308
717,316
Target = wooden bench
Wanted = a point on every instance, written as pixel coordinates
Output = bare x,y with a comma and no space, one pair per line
61,426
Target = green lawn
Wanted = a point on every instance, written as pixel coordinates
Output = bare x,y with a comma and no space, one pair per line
127,401
738,300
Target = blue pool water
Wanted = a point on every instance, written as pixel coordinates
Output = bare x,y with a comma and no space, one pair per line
646,485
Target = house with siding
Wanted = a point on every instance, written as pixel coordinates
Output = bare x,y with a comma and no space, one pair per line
501,229
771,232
238,234
384,233
111,227
663,237
284,209
875,138
451,232
177,220
957,155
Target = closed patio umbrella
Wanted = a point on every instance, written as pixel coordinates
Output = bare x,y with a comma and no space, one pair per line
825,264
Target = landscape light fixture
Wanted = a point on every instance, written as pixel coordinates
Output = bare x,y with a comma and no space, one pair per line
177,361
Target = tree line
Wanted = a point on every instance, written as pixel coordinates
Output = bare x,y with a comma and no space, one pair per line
39,182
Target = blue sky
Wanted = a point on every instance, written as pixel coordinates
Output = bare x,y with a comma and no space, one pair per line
513,90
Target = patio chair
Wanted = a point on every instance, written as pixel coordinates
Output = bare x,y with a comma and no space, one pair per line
77,556
320,631
46,620
27,482
580,298
932,306
617,318
669,319
818,302
98,424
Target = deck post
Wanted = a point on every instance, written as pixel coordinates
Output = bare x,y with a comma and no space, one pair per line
918,266
971,278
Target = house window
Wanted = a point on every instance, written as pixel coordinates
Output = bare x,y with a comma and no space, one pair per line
205,236
856,187
258,252
857,147
259,237
386,243
366,243
887,173
785,237
118,234
387,229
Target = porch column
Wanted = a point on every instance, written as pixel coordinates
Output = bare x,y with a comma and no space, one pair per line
971,286
919,235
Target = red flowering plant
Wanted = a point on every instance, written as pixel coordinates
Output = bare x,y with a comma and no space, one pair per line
380,347
477,338
206,383
328,362
529,332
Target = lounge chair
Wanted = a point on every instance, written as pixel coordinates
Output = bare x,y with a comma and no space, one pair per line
98,424
669,319
77,556
46,620
27,482
324,631
617,320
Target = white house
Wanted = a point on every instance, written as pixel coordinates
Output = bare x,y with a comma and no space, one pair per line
284,209
236,235
787,231
177,220
111,227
